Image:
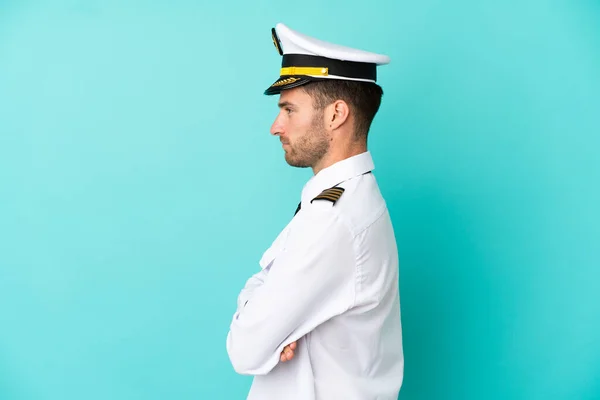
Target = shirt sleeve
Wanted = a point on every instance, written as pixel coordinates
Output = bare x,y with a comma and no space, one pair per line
311,281
255,281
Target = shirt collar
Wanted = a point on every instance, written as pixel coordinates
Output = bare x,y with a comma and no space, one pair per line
337,173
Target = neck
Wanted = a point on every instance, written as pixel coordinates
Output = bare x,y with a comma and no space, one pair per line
337,154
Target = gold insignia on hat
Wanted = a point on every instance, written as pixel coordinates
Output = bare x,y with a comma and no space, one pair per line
332,194
285,82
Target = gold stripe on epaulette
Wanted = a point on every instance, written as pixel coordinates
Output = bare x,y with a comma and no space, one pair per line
334,194
334,189
331,194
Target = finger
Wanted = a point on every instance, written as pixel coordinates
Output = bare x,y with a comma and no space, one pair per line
289,354
284,354
292,345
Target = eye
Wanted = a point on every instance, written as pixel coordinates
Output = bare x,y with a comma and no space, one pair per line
288,110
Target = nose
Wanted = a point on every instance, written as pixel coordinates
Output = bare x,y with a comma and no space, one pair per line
277,127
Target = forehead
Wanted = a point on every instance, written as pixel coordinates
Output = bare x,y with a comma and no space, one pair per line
295,96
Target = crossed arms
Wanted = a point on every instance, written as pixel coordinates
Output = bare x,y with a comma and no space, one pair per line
311,281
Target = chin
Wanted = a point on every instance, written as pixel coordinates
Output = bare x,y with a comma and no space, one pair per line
289,160
294,162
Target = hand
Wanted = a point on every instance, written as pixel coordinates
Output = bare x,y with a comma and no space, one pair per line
288,352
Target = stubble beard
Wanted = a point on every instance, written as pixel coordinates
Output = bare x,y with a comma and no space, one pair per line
310,148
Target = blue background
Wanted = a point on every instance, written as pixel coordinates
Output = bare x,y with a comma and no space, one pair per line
139,186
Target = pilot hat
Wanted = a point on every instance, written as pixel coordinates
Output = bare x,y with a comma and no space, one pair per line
306,59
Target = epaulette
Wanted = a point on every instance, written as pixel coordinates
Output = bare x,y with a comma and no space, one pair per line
332,194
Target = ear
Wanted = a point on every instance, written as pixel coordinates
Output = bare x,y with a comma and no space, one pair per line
338,113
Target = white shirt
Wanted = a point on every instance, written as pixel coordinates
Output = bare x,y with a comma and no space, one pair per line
330,282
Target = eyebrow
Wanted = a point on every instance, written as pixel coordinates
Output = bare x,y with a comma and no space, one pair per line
285,104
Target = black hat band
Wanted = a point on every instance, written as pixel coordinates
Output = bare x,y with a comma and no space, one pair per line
347,69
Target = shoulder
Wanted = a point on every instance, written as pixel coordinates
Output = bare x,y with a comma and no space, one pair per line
355,203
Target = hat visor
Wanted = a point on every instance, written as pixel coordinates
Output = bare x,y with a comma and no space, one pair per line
288,82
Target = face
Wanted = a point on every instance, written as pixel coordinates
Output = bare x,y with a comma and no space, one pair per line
301,129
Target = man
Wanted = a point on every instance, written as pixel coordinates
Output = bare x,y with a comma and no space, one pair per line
321,319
